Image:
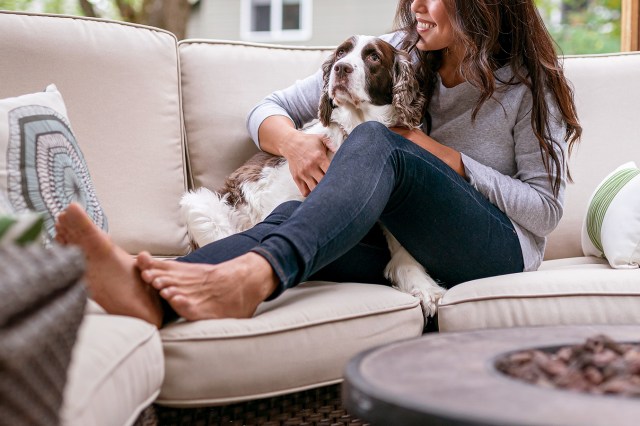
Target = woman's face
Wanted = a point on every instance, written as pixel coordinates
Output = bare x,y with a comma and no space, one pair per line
433,24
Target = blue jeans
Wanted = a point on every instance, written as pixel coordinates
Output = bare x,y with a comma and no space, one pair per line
376,177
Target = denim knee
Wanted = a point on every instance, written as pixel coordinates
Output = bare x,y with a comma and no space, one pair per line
370,137
367,131
282,212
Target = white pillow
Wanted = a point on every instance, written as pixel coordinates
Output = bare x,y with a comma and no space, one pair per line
41,166
611,227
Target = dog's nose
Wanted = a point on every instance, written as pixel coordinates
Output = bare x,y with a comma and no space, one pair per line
343,69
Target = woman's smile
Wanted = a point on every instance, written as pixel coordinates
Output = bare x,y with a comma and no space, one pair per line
424,26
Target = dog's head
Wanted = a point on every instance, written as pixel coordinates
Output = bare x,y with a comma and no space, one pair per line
368,70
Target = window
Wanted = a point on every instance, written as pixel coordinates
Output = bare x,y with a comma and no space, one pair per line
276,20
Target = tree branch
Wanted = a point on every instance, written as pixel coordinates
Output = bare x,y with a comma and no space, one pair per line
127,11
88,9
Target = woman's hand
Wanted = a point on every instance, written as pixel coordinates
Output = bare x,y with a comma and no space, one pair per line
307,154
308,159
449,155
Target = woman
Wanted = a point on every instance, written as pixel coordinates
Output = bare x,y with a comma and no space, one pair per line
473,194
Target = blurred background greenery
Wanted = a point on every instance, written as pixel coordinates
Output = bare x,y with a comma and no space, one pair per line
578,26
583,26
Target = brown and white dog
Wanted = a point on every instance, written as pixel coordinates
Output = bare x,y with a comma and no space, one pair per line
365,79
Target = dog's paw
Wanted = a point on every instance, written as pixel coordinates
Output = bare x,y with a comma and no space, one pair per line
429,296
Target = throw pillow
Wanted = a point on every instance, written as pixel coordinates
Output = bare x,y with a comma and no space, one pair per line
43,170
611,227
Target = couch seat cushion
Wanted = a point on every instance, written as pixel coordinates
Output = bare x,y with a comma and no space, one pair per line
116,371
581,290
298,341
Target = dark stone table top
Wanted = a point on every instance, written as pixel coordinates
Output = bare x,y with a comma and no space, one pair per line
450,378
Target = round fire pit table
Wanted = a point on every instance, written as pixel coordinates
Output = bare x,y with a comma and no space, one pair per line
451,379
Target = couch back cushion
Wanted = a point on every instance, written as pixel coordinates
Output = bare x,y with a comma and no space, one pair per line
221,82
120,84
607,95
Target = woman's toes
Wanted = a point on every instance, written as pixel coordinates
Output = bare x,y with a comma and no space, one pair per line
147,276
160,283
60,237
181,304
144,260
168,293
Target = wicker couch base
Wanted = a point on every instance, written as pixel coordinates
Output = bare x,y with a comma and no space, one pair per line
315,407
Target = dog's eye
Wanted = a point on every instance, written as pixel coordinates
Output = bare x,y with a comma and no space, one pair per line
374,57
340,53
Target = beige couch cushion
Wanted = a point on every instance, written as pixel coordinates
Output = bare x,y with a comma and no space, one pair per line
116,371
607,93
581,290
221,82
121,86
298,341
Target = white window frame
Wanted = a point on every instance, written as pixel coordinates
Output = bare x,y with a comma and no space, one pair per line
276,33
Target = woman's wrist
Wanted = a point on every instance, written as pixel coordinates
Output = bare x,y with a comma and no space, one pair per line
275,134
287,141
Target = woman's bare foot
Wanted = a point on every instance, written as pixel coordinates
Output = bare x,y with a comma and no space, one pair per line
112,276
232,289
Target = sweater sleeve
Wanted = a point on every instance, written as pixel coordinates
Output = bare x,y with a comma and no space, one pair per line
298,102
527,197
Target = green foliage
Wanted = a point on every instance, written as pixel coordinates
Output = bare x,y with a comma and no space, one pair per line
47,6
15,4
105,8
583,26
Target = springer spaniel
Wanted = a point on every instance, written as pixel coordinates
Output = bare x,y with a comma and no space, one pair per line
365,79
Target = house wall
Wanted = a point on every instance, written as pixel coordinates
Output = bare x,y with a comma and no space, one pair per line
332,22
215,19
335,20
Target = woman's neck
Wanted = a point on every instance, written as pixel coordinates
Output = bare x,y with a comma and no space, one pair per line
450,69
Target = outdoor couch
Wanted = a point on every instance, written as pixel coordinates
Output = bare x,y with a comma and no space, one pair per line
154,117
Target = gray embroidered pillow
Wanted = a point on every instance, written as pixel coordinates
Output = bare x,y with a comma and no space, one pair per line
41,166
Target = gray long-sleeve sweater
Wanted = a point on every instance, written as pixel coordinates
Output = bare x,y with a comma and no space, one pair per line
500,153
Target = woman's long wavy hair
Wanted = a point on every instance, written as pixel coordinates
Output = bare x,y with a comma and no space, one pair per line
496,33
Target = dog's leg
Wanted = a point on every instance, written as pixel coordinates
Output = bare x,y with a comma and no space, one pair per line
409,276
207,216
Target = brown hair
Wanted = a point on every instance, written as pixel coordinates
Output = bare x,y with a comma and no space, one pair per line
496,33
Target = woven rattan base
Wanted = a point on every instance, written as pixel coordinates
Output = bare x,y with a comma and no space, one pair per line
316,407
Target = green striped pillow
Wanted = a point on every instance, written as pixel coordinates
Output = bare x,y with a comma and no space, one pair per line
611,227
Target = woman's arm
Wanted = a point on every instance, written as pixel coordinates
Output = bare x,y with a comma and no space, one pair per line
448,155
274,123
527,196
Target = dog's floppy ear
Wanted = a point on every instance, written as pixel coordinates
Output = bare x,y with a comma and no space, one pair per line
325,107
408,100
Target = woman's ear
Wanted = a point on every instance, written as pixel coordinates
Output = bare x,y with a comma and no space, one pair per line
408,100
